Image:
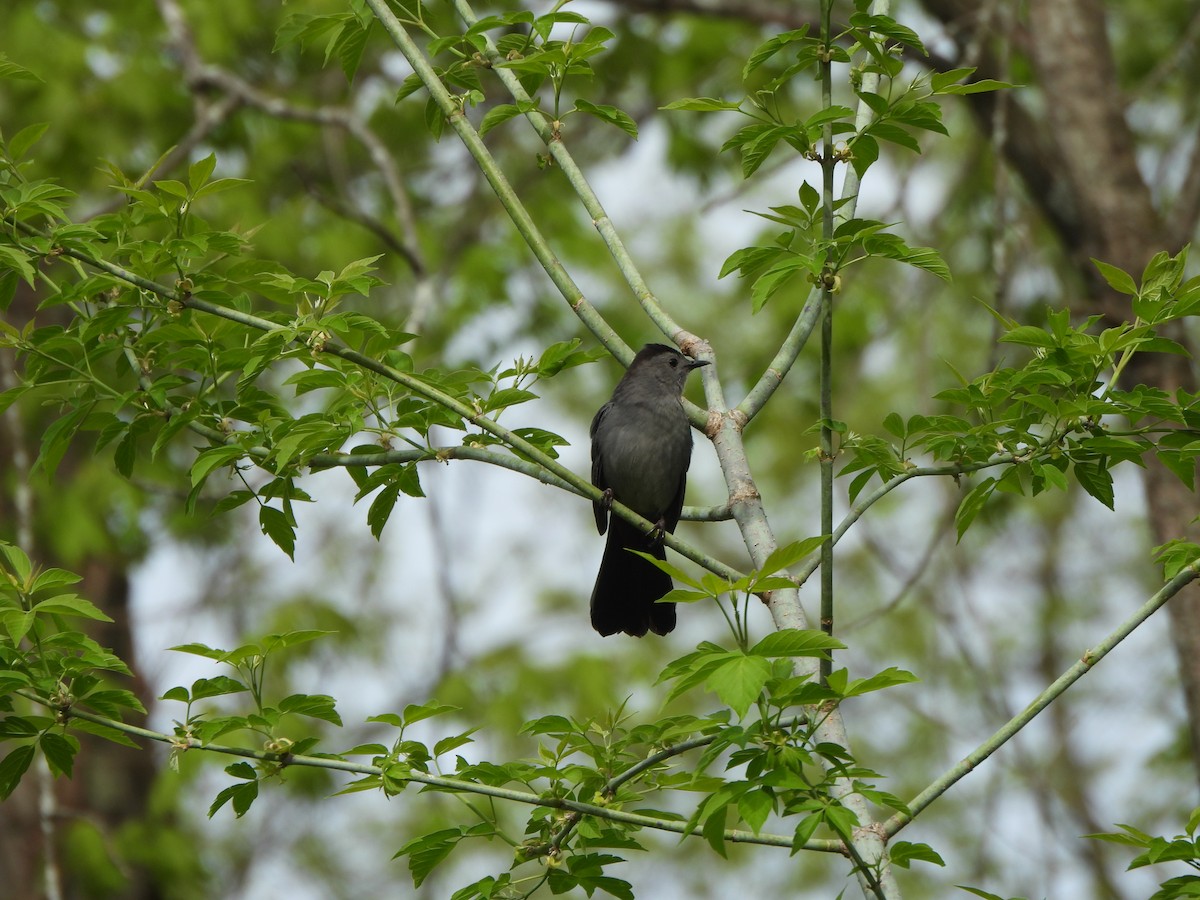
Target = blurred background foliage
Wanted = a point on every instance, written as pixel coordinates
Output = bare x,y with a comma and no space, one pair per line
476,595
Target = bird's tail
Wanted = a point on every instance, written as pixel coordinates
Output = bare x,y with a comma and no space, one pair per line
628,586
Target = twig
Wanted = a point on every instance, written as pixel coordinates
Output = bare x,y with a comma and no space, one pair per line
180,742
1084,665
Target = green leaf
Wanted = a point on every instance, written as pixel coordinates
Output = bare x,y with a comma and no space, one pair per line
828,114
211,687
19,143
57,438
890,246
796,642
1030,336
16,763
550,724
17,562
274,642
212,459
70,605
887,27
739,680
971,504
505,397
9,69
770,47
979,892
902,853
315,706
349,45
276,525
981,86
16,623
381,508
200,171
219,186
416,712
889,677
714,830
611,115
242,795
702,104
1118,279
497,115
20,264
939,81
790,554
886,131
427,851
59,751
302,29
446,744
201,650
1095,478
435,119
754,807
110,702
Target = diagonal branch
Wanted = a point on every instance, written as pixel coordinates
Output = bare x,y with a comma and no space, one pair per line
418,386
562,156
735,836
512,204
1081,667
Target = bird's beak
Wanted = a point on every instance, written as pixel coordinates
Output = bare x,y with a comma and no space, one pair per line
696,363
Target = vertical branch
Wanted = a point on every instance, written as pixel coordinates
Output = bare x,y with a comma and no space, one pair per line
828,161
867,845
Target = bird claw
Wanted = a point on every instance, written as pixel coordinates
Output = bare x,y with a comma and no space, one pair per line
659,532
606,499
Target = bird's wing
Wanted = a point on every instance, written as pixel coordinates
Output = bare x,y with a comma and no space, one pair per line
672,513
599,479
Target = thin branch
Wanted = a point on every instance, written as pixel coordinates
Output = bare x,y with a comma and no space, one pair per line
202,79
1084,665
789,351
418,386
825,380
182,743
546,130
512,204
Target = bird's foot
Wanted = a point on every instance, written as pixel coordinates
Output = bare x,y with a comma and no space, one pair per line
659,531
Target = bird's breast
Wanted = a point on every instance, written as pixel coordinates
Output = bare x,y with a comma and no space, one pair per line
646,450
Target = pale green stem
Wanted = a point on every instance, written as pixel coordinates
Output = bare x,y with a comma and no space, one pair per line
544,127
581,486
772,377
524,223
453,784
1081,667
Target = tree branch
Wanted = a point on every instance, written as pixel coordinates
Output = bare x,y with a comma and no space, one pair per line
1010,729
183,743
577,484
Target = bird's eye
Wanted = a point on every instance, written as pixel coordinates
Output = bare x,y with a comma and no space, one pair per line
674,362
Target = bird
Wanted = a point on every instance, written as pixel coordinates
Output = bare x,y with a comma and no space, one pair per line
641,450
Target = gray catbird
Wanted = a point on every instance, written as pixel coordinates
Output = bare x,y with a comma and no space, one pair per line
641,449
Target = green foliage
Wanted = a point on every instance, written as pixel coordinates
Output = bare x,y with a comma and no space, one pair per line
1156,850
43,656
1059,413
161,335
803,248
